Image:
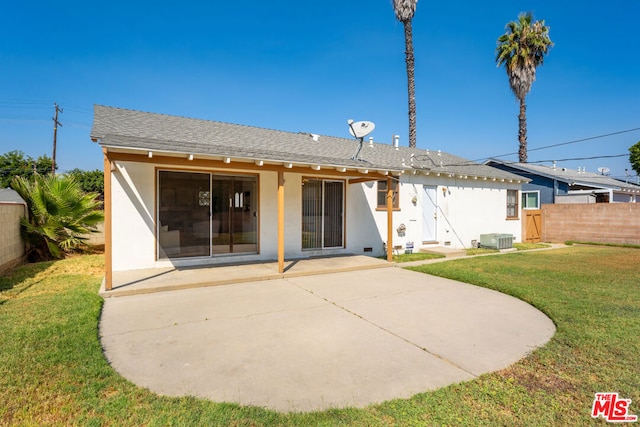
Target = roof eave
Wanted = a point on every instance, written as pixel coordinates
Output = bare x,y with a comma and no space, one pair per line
373,168
516,179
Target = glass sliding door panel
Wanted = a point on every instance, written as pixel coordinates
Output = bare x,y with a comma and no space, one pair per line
244,215
220,207
311,213
184,226
234,214
333,213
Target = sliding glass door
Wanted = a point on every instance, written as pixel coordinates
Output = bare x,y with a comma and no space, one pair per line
234,214
202,214
183,217
322,213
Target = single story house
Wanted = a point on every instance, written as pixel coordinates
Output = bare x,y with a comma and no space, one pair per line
185,192
552,184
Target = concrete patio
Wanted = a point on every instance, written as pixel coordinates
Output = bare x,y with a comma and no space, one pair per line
133,282
320,341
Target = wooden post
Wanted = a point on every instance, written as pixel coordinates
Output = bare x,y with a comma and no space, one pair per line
108,250
280,221
389,219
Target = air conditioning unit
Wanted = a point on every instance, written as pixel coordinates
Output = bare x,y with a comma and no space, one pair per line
496,241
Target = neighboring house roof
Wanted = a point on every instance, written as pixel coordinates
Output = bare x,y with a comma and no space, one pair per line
123,129
570,176
8,195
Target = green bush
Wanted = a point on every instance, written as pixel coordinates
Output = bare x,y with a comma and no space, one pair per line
89,181
16,163
60,214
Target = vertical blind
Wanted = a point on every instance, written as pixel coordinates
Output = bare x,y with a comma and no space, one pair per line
333,214
512,203
322,213
312,214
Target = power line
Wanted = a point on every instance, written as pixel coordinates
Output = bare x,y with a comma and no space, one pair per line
79,109
78,125
13,102
17,120
41,105
24,107
473,163
564,143
580,158
422,157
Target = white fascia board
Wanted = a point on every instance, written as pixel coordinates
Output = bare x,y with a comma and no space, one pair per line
174,153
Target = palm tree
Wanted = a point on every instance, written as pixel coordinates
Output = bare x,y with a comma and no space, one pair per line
60,214
405,9
521,50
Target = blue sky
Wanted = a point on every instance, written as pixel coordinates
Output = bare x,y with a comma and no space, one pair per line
310,66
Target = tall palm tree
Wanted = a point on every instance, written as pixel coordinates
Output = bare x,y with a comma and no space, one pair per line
60,215
521,50
405,9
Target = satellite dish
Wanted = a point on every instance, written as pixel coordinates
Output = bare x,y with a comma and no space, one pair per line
360,129
603,170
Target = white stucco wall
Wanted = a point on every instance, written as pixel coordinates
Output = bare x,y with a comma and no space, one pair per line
292,217
475,209
362,228
268,211
133,187
465,210
133,224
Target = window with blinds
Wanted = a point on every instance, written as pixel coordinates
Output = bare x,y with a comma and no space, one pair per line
322,213
512,203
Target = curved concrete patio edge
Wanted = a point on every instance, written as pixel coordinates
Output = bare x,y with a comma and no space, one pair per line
347,339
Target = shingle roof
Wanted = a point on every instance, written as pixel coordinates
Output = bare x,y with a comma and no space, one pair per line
570,176
121,128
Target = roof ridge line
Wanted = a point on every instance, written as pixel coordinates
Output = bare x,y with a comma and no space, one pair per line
173,116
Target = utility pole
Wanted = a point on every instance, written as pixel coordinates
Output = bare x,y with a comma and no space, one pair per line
56,123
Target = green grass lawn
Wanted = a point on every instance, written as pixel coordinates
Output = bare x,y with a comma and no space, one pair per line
53,372
517,246
416,256
481,251
530,246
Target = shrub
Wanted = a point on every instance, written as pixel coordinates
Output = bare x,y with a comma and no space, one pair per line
60,213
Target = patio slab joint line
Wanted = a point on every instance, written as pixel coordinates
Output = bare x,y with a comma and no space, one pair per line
423,349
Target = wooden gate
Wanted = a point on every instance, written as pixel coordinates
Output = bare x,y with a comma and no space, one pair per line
533,225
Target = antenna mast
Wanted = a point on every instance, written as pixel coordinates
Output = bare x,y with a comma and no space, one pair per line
360,141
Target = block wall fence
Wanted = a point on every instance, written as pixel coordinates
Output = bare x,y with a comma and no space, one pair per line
11,246
598,222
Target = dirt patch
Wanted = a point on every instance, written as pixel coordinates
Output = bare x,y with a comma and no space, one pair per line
535,379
